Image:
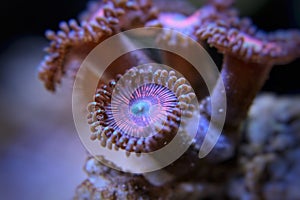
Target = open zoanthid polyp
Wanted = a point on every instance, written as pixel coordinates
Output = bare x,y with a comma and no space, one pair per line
140,111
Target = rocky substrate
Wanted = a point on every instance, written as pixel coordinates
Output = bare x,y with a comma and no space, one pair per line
266,164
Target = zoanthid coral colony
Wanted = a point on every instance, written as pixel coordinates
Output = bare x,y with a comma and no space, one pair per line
140,109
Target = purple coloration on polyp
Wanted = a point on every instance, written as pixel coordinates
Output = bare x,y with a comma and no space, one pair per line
140,111
179,21
150,103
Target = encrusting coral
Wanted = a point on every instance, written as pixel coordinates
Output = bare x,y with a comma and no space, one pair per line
263,168
237,165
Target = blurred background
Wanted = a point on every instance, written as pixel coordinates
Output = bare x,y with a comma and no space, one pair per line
41,156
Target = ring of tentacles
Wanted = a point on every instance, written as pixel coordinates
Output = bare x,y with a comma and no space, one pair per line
142,110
